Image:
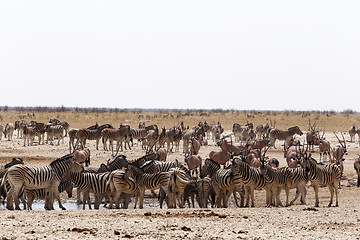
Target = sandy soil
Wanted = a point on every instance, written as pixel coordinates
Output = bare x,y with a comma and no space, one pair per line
297,221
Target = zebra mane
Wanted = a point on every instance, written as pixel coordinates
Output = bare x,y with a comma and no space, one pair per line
291,128
185,169
62,159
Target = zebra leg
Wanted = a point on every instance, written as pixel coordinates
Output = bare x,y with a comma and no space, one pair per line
136,198
316,189
78,197
141,203
287,196
252,197
331,189
30,199
277,194
247,195
336,195
296,195
218,196
86,197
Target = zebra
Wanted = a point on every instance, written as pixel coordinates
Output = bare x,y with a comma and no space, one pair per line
205,192
322,175
48,177
39,129
276,179
9,131
179,179
223,180
19,126
119,135
54,132
252,179
283,135
98,183
147,181
32,194
119,185
84,134
29,134
64,124
137,134
73,135
352,133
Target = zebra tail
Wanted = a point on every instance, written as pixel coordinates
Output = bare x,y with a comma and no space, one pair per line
172,182
358,182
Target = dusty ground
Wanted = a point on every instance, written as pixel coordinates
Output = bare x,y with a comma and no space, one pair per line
298,221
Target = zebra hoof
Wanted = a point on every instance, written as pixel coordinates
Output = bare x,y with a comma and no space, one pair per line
63,208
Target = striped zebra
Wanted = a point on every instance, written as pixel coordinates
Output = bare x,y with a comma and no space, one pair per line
283,135
147,181
119,135
64,124
121,185
54,132
9,131
88,134
223,180
252,179
299,181
178,182
48,177
97,183
29,135
206,192
137,134
32,194
19,126
73,135
323,175
39,129
277,178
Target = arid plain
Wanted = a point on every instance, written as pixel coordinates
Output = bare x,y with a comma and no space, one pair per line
294,222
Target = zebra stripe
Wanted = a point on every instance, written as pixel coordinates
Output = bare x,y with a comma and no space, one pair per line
252,179
91,134
147,181
276,179
222,180
119,185
323,175
48,177
91,182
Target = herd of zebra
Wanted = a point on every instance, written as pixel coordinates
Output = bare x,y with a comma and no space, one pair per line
235,169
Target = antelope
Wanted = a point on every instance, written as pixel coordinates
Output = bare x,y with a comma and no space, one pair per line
324,148
312,137
293,159
193,162
338,154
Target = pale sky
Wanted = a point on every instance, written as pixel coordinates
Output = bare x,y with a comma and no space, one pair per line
264,55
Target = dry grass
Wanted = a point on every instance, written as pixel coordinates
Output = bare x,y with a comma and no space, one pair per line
328,121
